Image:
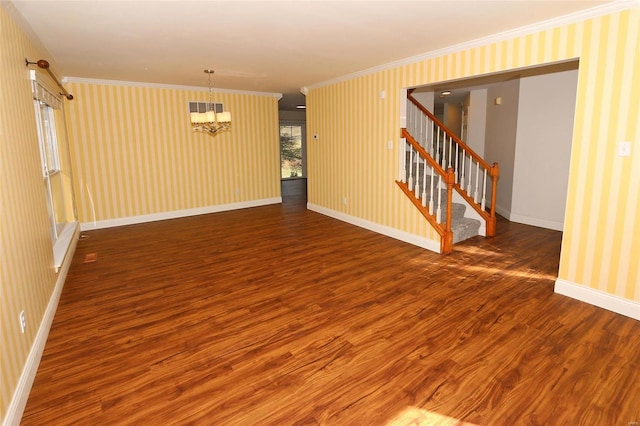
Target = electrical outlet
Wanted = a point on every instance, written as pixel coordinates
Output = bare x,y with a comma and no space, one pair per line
23,321
344,200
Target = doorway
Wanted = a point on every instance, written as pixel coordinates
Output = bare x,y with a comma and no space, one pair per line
293,176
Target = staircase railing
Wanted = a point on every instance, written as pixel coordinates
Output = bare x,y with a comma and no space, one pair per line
430,174
470,171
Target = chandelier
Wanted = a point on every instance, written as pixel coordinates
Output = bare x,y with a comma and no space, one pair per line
209,121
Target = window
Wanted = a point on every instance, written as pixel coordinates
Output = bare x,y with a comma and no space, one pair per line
56,167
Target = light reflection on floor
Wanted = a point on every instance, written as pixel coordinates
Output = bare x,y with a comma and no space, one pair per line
413,416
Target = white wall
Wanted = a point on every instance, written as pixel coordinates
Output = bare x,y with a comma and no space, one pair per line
292,115
453,117
500,139
476,125
426,99
546,111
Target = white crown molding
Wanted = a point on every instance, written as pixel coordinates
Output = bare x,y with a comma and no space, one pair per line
65,80
572,18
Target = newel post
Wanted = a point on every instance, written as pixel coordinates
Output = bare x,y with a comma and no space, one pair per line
491,223
447,239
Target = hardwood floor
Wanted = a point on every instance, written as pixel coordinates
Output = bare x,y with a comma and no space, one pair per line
294,190
281,316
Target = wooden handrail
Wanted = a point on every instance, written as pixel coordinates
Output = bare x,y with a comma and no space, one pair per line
416,145
449,133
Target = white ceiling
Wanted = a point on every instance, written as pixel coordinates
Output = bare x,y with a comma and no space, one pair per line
267,46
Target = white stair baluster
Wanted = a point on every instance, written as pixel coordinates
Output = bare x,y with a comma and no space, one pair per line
414,124
464,156
455,163
424,184
411,119
450,152
411,168
403,161
437,153
429,137
423,131
439,209
414,114
469,177
433,179
417,189
484,190
475,193
443,151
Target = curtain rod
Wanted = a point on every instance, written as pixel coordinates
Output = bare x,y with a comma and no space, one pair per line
45,66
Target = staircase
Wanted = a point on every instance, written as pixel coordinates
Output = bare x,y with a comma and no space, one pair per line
445,180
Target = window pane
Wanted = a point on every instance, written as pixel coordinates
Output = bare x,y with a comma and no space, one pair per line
50,138
290,151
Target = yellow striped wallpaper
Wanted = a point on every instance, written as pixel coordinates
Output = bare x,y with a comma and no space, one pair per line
134,153
26,257
601,242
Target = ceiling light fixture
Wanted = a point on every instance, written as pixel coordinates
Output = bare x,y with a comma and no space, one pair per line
301,107
210,122
446,93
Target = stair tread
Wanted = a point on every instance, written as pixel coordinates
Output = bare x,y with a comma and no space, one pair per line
464,228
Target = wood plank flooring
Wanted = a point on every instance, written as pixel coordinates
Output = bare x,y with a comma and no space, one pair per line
281,316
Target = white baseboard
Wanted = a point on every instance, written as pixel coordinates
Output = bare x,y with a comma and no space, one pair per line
23,388
533,221
598,298
526,220
503,212
132,220
422,242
